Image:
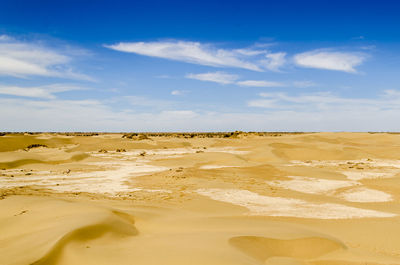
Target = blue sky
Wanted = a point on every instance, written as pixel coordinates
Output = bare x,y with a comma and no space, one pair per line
199,65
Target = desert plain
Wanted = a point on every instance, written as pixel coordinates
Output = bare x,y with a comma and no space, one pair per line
201,199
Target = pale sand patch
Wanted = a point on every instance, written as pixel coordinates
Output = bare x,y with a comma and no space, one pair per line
378,163
109,181
215,166
169,152
362,194
277,206
312,185
356,175
113,179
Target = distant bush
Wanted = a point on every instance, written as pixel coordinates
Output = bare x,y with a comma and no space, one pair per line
35,146
143,137
136,136
120,150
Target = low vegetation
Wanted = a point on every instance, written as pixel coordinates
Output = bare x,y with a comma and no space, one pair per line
136,136
35,146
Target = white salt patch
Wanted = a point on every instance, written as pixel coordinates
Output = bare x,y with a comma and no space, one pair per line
386,163
378,163
354,175
168,152
109,181
312,185
277,206
180,151
229,150
366,195
214,166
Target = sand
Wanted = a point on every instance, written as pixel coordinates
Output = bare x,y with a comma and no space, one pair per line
310,199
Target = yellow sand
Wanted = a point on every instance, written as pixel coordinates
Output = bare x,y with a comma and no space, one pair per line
283,199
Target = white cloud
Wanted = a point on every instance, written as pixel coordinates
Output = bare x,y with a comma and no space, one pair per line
260,83
275,112
38,91
329,60
274,61
224,78
21,59
19,114
250,51
326,101
262,103
204,54
217,77
177,92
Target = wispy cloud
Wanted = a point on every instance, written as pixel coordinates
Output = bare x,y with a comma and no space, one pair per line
322,101
260,83
177,92
205,54
22,114
255,58
278,112
217,77
225,78
22,59
274,61
330,60
45,92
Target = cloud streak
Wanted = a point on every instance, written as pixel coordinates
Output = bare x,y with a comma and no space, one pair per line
285,113
326,101
274,61
254,58
330,60
205,54
23,59
216,77
260,83
44,92
225,78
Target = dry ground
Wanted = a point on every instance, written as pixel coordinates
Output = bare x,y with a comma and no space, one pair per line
316,199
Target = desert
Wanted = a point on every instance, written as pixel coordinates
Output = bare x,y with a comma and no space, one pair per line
199,198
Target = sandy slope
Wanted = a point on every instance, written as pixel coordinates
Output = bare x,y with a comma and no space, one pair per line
326,198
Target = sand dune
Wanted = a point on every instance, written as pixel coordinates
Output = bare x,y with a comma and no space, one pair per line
310,199
43,228
263,248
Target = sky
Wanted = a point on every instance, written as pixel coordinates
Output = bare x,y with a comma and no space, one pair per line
117,66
